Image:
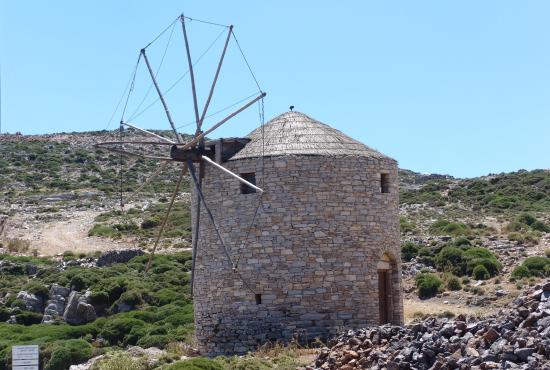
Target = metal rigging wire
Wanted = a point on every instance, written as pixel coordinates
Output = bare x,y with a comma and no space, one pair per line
246,61
135,115
157,72
221,110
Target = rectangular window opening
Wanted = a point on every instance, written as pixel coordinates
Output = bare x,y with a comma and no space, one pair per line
384,183
251,178
258,298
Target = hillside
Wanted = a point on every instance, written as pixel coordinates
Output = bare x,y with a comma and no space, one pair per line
469,247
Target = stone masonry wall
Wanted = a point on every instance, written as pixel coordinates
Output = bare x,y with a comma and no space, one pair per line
311,253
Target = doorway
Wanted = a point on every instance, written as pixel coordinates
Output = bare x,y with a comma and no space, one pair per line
385,296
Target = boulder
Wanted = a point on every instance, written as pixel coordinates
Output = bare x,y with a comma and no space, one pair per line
59,290
32,302
78,311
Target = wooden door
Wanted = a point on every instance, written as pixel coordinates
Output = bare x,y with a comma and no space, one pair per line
383,296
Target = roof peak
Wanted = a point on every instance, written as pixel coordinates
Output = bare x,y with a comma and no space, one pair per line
296,133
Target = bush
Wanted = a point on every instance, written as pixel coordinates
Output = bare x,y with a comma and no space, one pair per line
520,272
104,230
197,363
67,353
450,259
406,225
29,318
409,251
99,298
516,237
526,218
540,226
151,222
444,227
116,329
453,283
536,265
480,273
428,284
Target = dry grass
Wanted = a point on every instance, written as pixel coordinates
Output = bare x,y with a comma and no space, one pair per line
17,245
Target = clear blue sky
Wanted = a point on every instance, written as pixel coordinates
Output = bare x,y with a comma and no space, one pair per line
458,87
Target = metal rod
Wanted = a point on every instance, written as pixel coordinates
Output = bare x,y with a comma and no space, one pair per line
178,139
215,79
231,174
161,231
149,132
203,134
191,74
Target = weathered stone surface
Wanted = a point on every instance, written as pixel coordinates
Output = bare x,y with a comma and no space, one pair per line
78,311
32,302
312,250
423,345
58,290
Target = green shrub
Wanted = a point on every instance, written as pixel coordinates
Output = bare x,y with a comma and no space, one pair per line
197,363
444,227
428,284
520,272
409,251
536,265
151,222
453,283
406,225
131,298
515,226
540,226
29,318
450,259
526,218
516,237
100,298
104,230
67,353
117,328
4,314
480,273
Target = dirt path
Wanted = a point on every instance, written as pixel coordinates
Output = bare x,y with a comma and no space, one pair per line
72,235
67,234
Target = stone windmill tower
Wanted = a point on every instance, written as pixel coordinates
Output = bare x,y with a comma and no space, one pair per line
318,251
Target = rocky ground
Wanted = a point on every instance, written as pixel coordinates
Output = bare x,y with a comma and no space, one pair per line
516,337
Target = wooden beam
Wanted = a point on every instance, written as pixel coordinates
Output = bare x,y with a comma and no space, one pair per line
203,134
168,115
191,74
215,79
149,133
232,174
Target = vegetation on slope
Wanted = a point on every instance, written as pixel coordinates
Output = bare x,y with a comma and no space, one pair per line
162,309
515,191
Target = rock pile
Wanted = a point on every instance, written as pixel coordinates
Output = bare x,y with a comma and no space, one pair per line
518,337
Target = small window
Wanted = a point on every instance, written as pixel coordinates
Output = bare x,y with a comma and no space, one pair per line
384,183
258,298
251,178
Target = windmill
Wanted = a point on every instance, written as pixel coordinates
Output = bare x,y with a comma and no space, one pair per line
192,152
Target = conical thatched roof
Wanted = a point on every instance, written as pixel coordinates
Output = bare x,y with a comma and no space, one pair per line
294,133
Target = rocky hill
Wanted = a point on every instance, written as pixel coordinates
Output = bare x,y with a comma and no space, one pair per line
470,247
